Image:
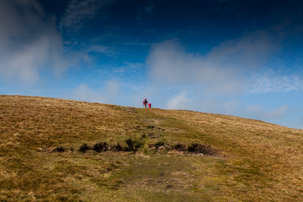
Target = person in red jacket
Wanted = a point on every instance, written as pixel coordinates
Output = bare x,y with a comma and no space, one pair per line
145,102
149,105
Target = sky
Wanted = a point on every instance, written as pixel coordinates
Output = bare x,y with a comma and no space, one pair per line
234,57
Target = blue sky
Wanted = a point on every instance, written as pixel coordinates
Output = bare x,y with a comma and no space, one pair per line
235,57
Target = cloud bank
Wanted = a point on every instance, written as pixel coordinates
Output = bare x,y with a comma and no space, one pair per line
29,42
180,101
258,112
226,68
108,94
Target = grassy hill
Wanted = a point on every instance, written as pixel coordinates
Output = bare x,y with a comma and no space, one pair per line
62,150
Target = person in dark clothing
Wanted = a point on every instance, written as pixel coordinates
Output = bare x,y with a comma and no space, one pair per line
145,102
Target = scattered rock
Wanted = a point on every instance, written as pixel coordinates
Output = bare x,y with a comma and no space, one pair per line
159,144
162,148
151,146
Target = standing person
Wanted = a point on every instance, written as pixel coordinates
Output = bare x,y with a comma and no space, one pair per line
149,105
145,102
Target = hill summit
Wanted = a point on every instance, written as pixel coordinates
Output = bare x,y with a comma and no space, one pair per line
63,150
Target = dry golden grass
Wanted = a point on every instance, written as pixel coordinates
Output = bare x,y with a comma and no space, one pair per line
257,161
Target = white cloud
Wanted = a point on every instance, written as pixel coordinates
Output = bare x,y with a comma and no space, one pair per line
180,101
112,90
236,66
225,105
258,112
218,105
272,82
84,93
109,94
276,113
224,69
29,42
78,12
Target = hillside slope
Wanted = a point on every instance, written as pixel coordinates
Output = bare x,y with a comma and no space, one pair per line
62,150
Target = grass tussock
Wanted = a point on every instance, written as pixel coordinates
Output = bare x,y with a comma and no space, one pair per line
62,150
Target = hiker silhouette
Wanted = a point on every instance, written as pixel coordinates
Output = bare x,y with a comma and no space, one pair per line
145,102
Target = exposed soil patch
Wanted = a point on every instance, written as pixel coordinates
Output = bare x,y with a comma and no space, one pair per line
159,144
135,145
100,147
116,148
201,149
83,148
132,146
194,148
59,149
180,147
